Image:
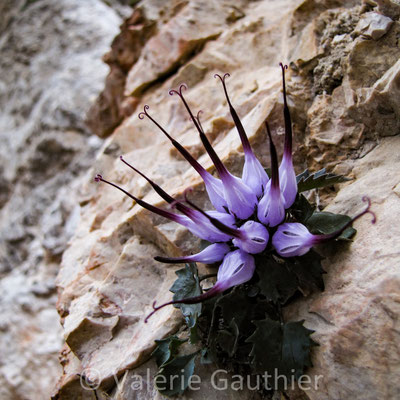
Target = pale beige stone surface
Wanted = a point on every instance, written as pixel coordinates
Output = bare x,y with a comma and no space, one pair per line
342,93
356,319
50,70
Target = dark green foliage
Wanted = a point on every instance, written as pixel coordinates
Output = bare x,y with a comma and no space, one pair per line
308,271
301,209
188,285
326,222
173,377
282,349
277,282
319,179
166,349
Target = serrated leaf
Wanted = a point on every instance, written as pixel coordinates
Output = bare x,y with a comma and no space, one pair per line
267,345
308,270
277,283
307,181
296,346
326,222
282,349
166,349
235,305
228,339
188,285
173,377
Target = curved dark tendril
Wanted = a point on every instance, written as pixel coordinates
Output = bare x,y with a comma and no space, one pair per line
287,117
366,199
144,112
147,206
179,91
198,119
226,75
283,67
98,178
190,300
334,235
222,171
239,126
218,224
189,158
169,199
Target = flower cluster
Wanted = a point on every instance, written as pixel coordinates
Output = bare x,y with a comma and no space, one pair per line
250,212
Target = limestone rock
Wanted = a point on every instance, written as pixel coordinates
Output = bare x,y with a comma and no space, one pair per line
50,70
373,25
342,90
356,318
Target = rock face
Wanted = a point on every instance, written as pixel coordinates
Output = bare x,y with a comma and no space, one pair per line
343,88
50,70
356,318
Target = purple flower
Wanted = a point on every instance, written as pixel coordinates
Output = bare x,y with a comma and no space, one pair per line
271,209
240,199
254,175
237,267
211,254
248,210
254,237
294,239
287,176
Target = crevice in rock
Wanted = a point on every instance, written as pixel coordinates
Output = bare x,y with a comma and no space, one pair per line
184,59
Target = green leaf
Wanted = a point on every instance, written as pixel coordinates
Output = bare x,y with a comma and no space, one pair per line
173,377
228,339
166,349
296,346
267,345
191,322
326,222
301,209
235,305
277,283
282,349
307,181
188,285
308,270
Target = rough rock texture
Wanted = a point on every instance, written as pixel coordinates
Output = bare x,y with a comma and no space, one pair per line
343,89
50,70
356,319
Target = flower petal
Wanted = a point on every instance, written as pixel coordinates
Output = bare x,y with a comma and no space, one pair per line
271,209
213,185
287,176
287,180
201,227
237,268
292,239
240,198
256,237
211,254
254,175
